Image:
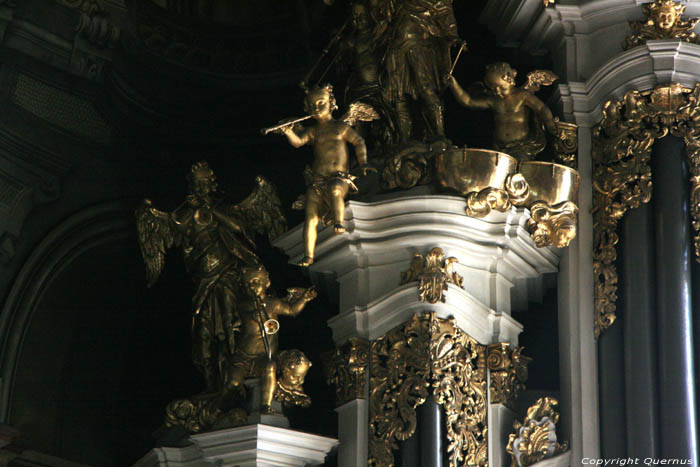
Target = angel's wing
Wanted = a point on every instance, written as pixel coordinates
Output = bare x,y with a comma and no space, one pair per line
359,111
261,212
538,78
156,233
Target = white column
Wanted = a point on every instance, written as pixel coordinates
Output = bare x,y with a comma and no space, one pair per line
353,426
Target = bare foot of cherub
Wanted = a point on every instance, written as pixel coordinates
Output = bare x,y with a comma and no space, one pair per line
338,229
267,410
306,262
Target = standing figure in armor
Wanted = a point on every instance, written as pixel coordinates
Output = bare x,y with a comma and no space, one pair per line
419,38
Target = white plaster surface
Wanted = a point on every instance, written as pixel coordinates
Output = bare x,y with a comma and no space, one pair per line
500,420
501,266
496,255
247,446
353,432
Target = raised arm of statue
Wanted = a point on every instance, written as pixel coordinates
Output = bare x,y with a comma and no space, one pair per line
295,139
464,98
294,303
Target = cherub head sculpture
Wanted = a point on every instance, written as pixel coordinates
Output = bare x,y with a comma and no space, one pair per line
320,101
201,180
500,79
293,366
664,14
256,281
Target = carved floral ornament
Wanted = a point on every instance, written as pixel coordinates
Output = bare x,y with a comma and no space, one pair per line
535,438
428,356
622,175
433,272
508,369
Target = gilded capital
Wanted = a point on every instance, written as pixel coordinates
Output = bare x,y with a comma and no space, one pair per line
346,368
508,369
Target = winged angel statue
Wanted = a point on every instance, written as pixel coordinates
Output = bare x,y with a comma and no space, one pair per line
217,240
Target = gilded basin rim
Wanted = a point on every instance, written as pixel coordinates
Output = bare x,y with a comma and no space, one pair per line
462,149
565,167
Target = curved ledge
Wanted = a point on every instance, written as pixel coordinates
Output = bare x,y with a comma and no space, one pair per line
641,68
396,307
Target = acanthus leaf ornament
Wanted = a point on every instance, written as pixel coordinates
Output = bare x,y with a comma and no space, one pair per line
428,352
535,438
508,369
622,174
346,369
433,272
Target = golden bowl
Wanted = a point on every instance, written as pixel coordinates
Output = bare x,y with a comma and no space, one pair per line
472,170
550,183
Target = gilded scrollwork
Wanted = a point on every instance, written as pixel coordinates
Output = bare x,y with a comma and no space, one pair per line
433,272
622,175
428,352
566,144
346,369
553,224
536,438
508,367
664,21
480,204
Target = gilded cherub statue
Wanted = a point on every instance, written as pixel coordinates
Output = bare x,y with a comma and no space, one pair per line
256,354
217,240
664,21
328,180
515,131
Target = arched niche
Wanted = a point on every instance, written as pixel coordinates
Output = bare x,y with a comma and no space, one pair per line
87,344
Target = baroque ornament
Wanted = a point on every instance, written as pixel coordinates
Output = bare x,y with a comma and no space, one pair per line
405,364
508,369
622,175
346,369
433,272
536,438
566,144
663,22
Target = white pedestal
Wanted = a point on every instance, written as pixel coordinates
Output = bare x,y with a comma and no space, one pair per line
501,266
247,446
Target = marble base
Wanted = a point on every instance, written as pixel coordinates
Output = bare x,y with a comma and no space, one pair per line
247,446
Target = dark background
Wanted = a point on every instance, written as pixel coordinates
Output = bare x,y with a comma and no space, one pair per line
103,354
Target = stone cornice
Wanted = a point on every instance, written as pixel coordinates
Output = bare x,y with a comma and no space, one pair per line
641,68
